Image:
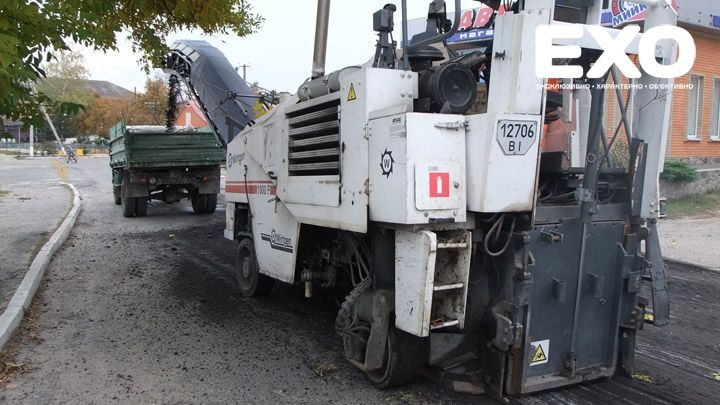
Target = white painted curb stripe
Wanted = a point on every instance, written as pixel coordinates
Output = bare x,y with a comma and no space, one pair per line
20,302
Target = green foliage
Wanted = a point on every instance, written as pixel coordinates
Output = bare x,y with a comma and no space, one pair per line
47,148
259,109
33,31
678,171
64,81
65,86
148,108
703,205
620,154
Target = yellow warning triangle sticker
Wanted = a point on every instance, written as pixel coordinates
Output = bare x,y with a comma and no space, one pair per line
539,355
351,94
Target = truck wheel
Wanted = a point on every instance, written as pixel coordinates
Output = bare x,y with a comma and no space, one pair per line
117,195
128,207
211,203
204,203
250,282
141,204
405,357
199,203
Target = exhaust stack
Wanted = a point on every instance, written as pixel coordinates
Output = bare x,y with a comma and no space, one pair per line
321,33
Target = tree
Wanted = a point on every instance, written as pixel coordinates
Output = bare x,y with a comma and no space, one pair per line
149,108
65,84
33,31
67,65
100,116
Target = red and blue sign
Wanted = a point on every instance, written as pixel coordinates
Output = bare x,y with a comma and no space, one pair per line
475,25
624,11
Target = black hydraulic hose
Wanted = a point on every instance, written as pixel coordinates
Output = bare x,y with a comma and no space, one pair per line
494,232
247,195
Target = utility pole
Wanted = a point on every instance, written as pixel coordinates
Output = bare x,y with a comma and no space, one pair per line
32,141
52,127
153,106
244,68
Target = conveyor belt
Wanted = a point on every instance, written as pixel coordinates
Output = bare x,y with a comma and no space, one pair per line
223,95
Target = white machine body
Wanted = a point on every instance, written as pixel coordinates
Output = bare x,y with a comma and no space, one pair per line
360,160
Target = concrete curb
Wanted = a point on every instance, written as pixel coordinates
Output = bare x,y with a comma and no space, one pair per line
20,302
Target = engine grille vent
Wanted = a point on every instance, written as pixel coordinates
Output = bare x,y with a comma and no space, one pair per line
314,147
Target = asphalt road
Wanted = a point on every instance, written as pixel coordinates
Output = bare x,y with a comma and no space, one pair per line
32,205
142,310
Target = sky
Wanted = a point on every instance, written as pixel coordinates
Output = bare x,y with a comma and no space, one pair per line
280,53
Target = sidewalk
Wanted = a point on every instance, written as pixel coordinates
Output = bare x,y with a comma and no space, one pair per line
32,206
691,240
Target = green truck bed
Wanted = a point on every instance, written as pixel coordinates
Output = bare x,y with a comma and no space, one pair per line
155,146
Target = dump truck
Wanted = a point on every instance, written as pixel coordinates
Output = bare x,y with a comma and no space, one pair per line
504,251
154,162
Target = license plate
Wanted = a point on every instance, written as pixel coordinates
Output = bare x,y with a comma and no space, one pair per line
517,137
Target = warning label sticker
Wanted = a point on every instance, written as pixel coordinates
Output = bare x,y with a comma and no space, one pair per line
351,94
439,184
539,352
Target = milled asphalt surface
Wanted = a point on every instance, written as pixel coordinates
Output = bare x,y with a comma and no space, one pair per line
32,205
142,310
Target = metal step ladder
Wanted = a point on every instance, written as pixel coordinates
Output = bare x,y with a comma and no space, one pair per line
431,280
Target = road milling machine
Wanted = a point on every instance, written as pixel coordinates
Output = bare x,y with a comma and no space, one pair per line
503,249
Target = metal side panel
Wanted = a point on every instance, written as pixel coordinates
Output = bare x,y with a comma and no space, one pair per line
552,299
417,168
342,202
556,281
414,277
502,162
275,234
275,230
502,165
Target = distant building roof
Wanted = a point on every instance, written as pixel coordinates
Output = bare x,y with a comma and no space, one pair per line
109,90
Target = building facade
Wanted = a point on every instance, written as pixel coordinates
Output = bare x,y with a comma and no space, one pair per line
695,125
16,131
695,119
190,115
